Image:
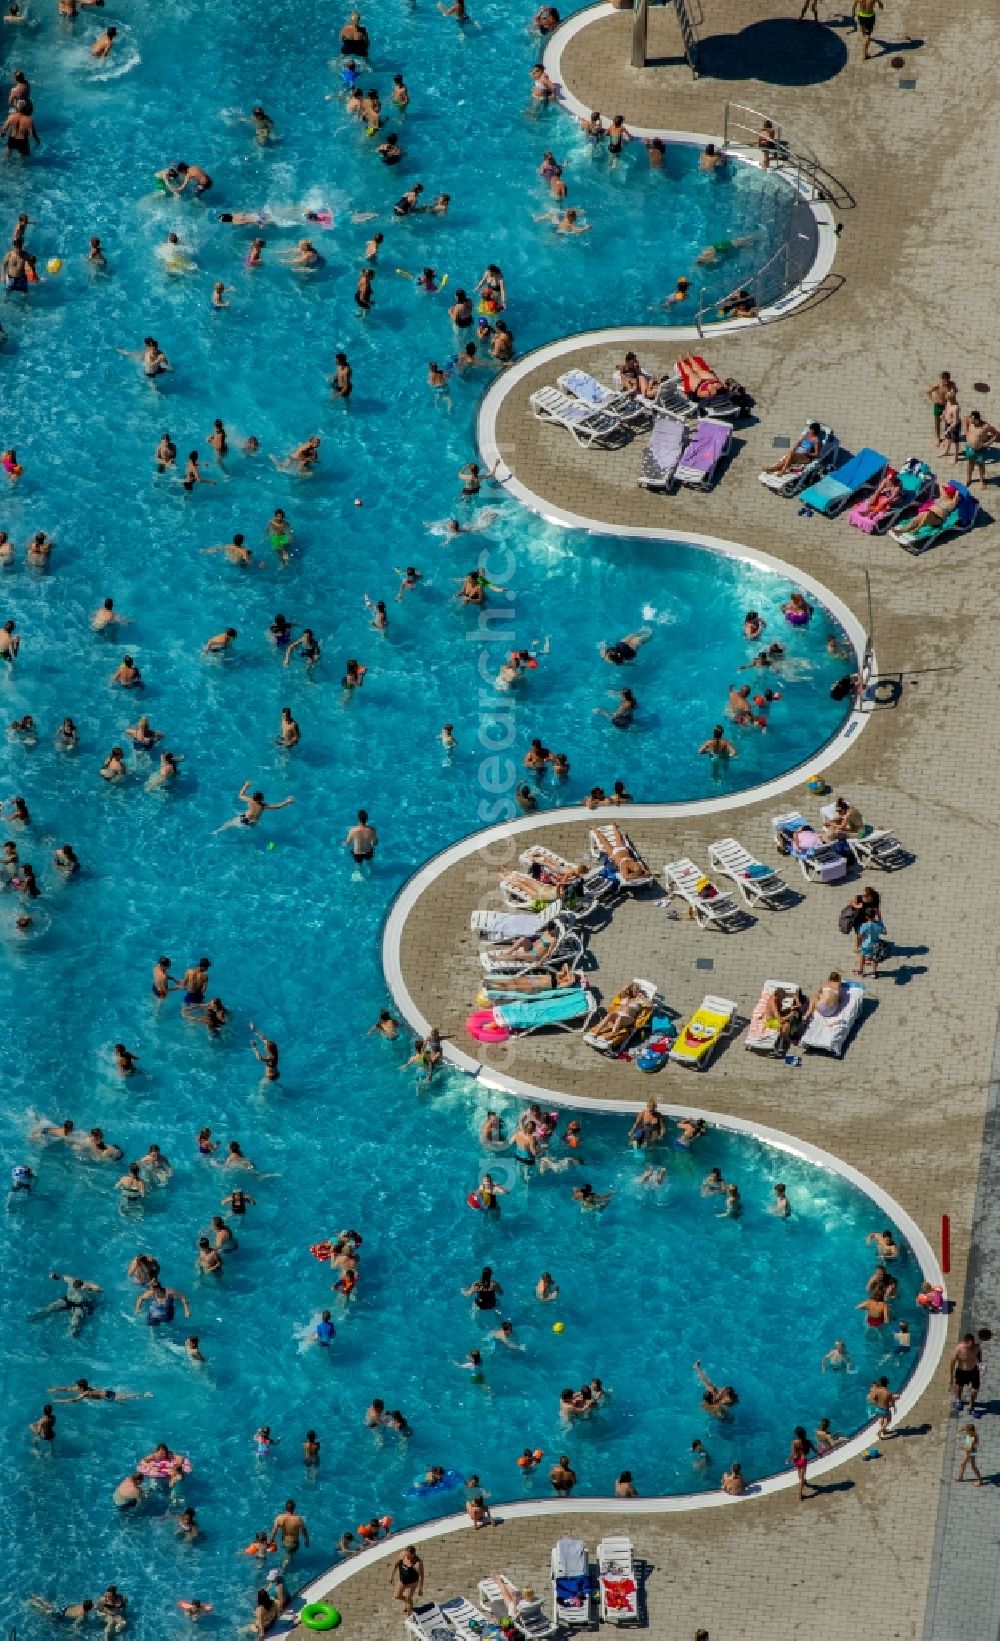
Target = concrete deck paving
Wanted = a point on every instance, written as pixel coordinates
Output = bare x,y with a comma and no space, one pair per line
912,294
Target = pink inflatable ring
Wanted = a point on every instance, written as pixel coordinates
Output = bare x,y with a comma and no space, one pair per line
482,1026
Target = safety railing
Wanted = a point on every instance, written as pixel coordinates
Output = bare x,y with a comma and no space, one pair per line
784,269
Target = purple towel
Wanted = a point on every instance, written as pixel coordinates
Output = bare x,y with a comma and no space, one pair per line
665,442
708,442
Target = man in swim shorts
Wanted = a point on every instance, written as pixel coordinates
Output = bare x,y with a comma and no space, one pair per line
362,840
292,1528
963,1371
863,12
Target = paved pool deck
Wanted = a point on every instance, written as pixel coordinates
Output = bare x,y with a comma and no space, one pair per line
889,1550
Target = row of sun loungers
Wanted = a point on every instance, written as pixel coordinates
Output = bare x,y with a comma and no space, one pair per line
503,1609
543,939
677,455
827,489
596,414
827,1033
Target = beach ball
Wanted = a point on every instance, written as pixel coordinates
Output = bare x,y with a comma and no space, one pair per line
54,264
558,1327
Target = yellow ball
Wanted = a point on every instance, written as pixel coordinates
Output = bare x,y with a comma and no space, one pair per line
558,1327
54,264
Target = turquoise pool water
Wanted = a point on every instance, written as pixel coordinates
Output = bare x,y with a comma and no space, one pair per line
346,1138
349,1141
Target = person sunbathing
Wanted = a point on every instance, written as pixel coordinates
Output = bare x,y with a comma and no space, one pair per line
531,887
624,857
828,999
513,1598
699,380
623,1014
933,513
530,985
532,948
806,450
889,494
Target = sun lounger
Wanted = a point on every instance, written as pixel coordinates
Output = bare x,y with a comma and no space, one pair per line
762,1033
596,883
915,481
708,905
819,862
605,1044
524,890
636,874
671,401
468,1622
502,926
962,517
571,1588
837,490
616,1583
709,443
569,1009
790,483
661,455
699,1038
428,1623
624,406
828,1033
728,398
759,885
587,426
527,1616
875,846
568,948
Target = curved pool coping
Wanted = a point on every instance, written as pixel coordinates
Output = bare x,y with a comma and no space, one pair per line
826,228
523,1509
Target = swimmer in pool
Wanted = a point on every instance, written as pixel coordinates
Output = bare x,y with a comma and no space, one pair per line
591,1201
266,1053
567,222
255,808
713,254
82,1391
837,1360
626,649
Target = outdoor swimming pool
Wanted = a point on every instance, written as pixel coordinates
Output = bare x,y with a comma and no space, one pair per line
292,936
760,1302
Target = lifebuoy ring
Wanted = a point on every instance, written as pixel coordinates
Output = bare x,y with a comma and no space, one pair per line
319,1615
484,1028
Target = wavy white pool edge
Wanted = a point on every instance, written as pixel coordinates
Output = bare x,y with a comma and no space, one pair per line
523,1509
826,231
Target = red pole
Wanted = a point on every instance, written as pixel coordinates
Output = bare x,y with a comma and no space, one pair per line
945,1243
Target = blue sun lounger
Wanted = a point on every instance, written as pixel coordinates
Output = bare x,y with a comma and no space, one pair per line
834,492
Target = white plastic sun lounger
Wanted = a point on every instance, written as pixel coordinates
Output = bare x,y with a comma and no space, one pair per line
610,1045
428,1623
571,1588
568,948
828,1033
503,926
570,1010
661,455
527,1616
820,862
796,479
616,1582
587,426
712,909
625,406
759,885
671,400
878,847
602,845
468,1622
760,1037
596,885
705,450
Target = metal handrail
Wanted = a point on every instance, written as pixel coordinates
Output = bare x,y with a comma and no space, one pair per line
789,150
